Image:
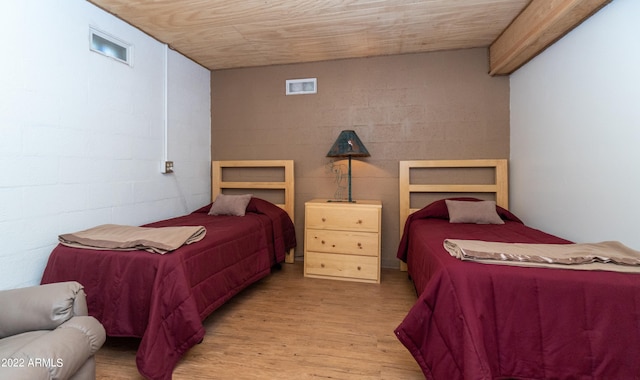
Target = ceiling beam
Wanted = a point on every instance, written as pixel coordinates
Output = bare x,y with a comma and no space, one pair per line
538,26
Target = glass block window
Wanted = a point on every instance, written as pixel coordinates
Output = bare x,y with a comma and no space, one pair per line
301,86
110,46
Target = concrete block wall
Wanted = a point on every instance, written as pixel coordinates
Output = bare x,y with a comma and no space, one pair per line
82,136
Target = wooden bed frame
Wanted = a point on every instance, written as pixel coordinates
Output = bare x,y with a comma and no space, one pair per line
500,187
219,185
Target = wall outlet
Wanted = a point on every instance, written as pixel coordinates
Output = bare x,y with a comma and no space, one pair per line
168,167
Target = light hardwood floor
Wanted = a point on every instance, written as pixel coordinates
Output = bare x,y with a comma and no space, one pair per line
287,326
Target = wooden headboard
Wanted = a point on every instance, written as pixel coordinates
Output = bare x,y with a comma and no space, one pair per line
499,187
219,184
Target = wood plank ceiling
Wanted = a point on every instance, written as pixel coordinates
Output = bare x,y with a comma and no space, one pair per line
222,34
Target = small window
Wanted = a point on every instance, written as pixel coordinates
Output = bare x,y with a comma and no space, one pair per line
110,46
301,86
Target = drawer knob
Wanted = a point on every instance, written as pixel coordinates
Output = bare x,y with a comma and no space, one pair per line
358,268
321,265
360,245
359,221
322,242
324,219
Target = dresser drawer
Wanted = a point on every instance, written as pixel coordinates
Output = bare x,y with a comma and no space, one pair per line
354,243
343,218
337,265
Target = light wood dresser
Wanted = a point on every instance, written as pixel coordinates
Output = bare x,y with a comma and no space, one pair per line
342,240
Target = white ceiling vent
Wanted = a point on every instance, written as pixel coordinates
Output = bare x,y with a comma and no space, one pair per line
302,86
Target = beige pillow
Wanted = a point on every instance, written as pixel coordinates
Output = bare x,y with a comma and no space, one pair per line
482,212
230,205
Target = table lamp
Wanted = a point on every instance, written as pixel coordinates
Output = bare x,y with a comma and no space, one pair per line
348,145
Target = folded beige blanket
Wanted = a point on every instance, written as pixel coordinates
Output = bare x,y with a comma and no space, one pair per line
588,256
128,238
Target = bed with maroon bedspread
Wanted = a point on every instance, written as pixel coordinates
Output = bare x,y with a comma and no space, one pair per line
163,299
486,321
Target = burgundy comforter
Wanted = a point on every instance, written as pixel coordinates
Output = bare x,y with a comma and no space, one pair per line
485,321
163,299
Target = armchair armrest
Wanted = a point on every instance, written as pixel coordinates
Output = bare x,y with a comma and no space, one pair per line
42,307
